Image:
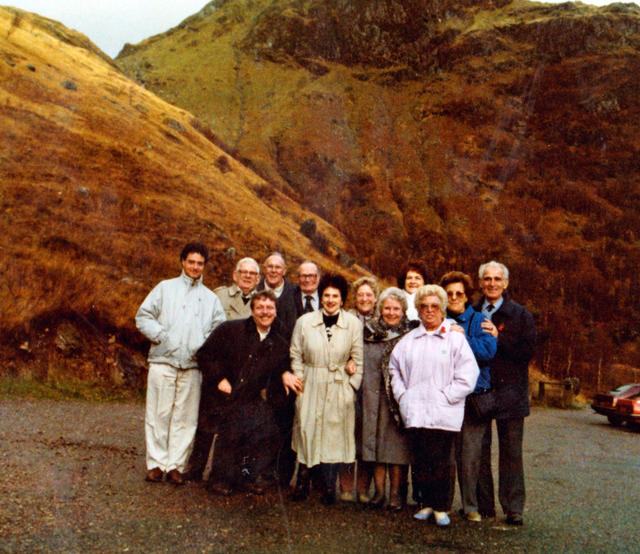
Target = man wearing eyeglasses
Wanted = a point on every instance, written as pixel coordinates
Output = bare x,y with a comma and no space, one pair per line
307,293
235,298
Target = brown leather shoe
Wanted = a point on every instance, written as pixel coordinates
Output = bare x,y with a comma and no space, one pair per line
219,488
154,475
175,477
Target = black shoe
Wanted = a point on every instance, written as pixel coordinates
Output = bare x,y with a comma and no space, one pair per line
514,519
301,488
328,497
395,502
253,488
377,501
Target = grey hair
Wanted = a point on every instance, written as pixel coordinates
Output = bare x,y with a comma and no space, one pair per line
505,271
432,290
245,260
281,256
396,294
366,281
314,264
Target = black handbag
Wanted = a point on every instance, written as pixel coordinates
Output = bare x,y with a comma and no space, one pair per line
483,405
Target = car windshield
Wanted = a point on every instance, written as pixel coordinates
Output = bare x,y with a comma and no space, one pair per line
623,388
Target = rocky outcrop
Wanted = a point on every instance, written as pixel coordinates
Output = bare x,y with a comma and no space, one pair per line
455,131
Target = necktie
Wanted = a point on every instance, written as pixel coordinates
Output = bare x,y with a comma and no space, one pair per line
490,308
308,307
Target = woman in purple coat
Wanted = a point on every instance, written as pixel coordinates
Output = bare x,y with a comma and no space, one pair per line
432,371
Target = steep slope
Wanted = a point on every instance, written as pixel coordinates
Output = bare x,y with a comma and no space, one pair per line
458,131
102,184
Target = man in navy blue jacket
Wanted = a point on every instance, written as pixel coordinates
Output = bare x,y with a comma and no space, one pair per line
515,330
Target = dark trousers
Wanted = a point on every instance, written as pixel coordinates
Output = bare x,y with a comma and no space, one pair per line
433,468
246,444
285,462
328,476
324,477
469,445
511,491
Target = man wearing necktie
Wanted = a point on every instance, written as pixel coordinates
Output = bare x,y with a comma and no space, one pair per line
307,295
515,330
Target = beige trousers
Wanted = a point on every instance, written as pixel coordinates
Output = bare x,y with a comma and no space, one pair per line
171,418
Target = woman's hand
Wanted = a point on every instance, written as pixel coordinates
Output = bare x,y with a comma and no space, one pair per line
224,386
457,328
351,367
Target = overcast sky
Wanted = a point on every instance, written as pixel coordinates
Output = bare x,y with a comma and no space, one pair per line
111,23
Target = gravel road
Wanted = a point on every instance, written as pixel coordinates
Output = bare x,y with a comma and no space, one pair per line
73,482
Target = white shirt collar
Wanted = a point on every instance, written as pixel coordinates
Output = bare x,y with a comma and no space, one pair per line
277,291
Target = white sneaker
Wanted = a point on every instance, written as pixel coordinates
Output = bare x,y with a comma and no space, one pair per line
442,519
424,514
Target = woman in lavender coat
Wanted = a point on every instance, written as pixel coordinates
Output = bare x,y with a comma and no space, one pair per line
432,371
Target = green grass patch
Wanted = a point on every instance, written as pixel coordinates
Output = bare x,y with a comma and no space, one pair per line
67,389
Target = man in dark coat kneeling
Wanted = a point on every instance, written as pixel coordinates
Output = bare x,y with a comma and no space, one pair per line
241,361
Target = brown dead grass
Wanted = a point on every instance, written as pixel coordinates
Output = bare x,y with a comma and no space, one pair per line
519,144
102,184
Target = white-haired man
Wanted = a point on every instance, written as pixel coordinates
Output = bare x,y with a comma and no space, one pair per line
235,298
275,268
515,330
307,291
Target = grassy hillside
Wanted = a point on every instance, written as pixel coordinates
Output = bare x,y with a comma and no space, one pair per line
454,131
102,184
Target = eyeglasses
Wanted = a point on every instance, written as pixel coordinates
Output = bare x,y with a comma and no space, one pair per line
308,276
429,306
455,294
245,272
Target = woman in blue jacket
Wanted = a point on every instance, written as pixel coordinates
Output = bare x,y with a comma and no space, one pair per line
478,331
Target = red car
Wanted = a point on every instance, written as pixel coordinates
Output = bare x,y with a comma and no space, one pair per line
606,403
628,409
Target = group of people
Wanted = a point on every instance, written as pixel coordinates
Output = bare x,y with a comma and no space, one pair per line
264,381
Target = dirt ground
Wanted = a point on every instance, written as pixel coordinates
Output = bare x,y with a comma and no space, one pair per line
73,482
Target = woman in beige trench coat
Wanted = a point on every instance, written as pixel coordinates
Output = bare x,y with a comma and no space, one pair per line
324,423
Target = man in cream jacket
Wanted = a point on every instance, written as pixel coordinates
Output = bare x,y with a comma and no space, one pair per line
177,316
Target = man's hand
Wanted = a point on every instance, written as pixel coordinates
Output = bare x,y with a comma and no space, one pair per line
489,327
292,383
457,328
224,386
